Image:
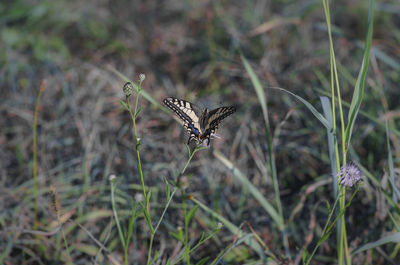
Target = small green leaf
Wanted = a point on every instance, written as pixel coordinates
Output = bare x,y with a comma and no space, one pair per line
153,261
188,149
148,219
124,105
140,211
203,261
138,111
148,197
328,206
189,176
167,188
323,238
131,222
305,255
201,240
191,213
178,235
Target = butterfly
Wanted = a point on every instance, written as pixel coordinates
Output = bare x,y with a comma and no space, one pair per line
200,124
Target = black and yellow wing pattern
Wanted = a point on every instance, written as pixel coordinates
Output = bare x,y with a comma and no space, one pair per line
199,124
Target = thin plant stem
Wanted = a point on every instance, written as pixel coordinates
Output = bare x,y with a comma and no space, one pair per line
158,224
184,206
137,139
329,225
191,154
323,231
133,116
165,209
34,167
114,207
186,241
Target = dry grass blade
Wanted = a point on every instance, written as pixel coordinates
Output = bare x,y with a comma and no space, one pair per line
272,24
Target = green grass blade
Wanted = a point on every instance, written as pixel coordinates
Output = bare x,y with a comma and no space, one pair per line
396,193
395,238
276,215
252,189
258,88
232,228
386,58
310,107
326,106
360,84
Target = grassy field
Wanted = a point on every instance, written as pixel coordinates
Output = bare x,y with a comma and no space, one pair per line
306,171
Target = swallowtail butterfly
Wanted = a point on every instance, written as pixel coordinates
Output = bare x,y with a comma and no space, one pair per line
200,124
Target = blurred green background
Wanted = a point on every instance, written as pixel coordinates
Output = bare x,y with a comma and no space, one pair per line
189,50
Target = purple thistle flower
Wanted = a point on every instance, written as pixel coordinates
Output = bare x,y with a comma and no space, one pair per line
349,175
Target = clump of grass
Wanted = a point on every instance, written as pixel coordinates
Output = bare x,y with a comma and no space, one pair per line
57,209
346,131
345,136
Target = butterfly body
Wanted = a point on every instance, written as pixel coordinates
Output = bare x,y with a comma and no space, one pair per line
200,124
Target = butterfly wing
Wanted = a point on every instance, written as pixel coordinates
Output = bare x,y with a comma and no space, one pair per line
188,113
214,118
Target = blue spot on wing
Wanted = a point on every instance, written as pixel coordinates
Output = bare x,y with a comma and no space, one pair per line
194,130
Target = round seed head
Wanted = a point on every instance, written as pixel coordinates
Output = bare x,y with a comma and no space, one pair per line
128,89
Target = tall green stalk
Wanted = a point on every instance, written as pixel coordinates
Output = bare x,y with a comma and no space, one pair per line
128,89
341,236
136,136
345,131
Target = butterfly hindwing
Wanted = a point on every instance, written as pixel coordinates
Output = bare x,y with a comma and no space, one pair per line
217,115
214,118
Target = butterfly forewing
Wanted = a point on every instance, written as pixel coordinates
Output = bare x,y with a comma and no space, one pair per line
214,117
189,114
